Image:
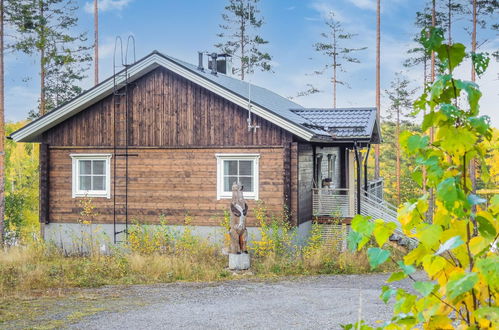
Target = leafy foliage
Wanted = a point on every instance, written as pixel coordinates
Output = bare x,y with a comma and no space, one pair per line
458,250
21,185
409,189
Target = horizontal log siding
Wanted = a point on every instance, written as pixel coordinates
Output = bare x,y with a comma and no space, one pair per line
169,182
166,110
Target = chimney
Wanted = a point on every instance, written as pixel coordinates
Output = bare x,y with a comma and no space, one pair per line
200,61
214,57
224,64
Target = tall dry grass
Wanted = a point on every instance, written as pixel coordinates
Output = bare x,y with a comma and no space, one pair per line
156,254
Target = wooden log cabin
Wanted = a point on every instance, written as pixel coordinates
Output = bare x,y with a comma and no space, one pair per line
165,139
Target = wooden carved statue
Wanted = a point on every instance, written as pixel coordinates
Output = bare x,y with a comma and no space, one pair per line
239,209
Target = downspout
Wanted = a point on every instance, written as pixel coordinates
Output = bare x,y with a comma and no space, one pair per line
314,165
358,161
365,166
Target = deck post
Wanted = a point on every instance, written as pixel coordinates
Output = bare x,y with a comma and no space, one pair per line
351,182
359,164
365,167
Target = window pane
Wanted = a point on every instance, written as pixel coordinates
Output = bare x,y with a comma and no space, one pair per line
85,166
245,167
85,183
99,166
230,167
98,183
228,181
247,183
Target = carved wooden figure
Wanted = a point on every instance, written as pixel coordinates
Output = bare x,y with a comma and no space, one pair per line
239,210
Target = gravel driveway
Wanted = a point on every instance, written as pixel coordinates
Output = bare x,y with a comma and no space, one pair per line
318,302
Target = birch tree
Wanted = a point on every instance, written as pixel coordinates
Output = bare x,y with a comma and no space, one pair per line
240,39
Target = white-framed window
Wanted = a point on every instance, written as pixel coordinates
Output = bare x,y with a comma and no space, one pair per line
242,168
91,175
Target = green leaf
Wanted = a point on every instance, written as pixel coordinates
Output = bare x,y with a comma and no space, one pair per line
456,140
387,293
494,204
439,86
450,244
489,313
489,269
453,54
480,62
459,284
396,276
407,269
364,227
425,288
429,235
377,256
432,119
485,228
431,38
353,240
383,231
473,92
417,176
416,142
447,191
481,125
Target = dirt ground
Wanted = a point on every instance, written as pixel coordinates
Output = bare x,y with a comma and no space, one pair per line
315,302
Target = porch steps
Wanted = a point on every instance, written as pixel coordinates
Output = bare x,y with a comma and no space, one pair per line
378,208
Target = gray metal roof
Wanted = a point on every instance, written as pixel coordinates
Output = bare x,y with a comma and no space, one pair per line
340,123
259,95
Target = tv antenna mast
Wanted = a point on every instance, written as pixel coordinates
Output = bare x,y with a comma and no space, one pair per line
251,124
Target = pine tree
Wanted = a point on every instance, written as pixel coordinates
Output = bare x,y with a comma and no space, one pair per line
480,11
399,95
418,56
2,128
241,19
335,50
451,10
378,85
46,28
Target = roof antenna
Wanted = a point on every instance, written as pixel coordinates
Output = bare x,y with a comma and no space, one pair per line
251,125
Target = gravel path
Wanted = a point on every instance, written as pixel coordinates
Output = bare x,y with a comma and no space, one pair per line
319,302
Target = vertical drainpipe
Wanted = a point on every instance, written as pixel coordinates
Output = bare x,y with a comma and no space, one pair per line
314,165
358,161
365,166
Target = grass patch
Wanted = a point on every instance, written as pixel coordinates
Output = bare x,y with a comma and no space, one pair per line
158,254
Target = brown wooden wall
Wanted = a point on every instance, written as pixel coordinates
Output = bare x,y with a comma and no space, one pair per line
170,182
166,110
175,130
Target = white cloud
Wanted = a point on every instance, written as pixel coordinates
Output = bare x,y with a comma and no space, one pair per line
364,4
107,5
325,9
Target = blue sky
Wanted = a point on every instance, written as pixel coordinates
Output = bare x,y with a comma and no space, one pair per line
181,28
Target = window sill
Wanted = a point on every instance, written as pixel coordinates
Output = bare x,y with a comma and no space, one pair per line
92,195
249,197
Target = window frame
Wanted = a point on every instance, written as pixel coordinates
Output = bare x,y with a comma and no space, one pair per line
76,192
255,158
